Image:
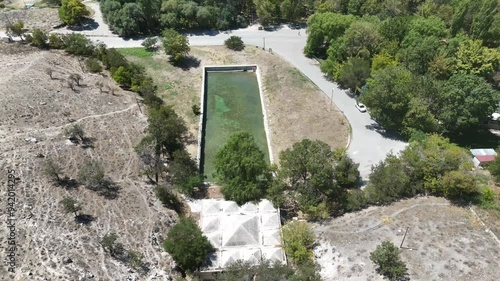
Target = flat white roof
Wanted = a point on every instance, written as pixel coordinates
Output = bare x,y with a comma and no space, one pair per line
250,232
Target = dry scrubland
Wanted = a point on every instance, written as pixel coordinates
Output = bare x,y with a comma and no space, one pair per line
296,108
447,242
34,113
42,18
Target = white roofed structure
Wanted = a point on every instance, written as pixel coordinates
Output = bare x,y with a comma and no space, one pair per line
250,233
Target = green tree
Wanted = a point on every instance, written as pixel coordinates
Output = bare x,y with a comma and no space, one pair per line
93,65
184,172
427,160
387,182
187,245
386,257
361,36
73,11
395,28
242,169
292,10
322,28
467,103
70,205
353,74
52,170
234,43
91,174
16,29
175,44
267,11
56,42
346,170
78,44
39,39
308,170
457,184
299,239
473,58
382,60
417,51
388,95
109,243
167,129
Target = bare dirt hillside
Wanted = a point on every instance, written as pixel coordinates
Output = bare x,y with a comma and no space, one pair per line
444,242
34,114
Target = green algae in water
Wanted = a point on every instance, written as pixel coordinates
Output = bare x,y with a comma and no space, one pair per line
233,105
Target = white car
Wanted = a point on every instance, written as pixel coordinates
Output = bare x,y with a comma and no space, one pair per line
361,107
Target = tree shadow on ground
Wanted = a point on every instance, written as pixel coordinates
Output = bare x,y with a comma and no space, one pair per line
480,138
68,183
88,142
84,219
198,32
110,190
86,25
187,63
384,133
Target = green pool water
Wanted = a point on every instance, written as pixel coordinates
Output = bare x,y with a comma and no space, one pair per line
232,105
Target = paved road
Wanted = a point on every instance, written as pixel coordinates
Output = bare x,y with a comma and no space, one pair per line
368,145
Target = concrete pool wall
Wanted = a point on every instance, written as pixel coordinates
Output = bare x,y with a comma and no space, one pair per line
203,106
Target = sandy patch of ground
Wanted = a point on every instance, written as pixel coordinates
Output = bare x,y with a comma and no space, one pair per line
35,111
447,242
296,108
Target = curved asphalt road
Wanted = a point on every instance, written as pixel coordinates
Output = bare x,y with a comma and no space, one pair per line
368,145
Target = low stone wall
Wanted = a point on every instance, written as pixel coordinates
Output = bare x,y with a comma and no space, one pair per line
228,68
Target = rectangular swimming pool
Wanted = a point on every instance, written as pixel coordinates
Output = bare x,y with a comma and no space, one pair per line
232,104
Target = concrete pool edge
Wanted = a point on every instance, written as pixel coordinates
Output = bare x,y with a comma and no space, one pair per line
202,123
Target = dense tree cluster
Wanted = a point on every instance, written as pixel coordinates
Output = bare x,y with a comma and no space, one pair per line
150,16
429,66
430,165
313,179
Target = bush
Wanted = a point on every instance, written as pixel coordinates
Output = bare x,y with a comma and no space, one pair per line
459,184
494,167
39,39
386,257
78,44
93,65
356,201
234,43
55,42
91,174
196,109
187,245
299,239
